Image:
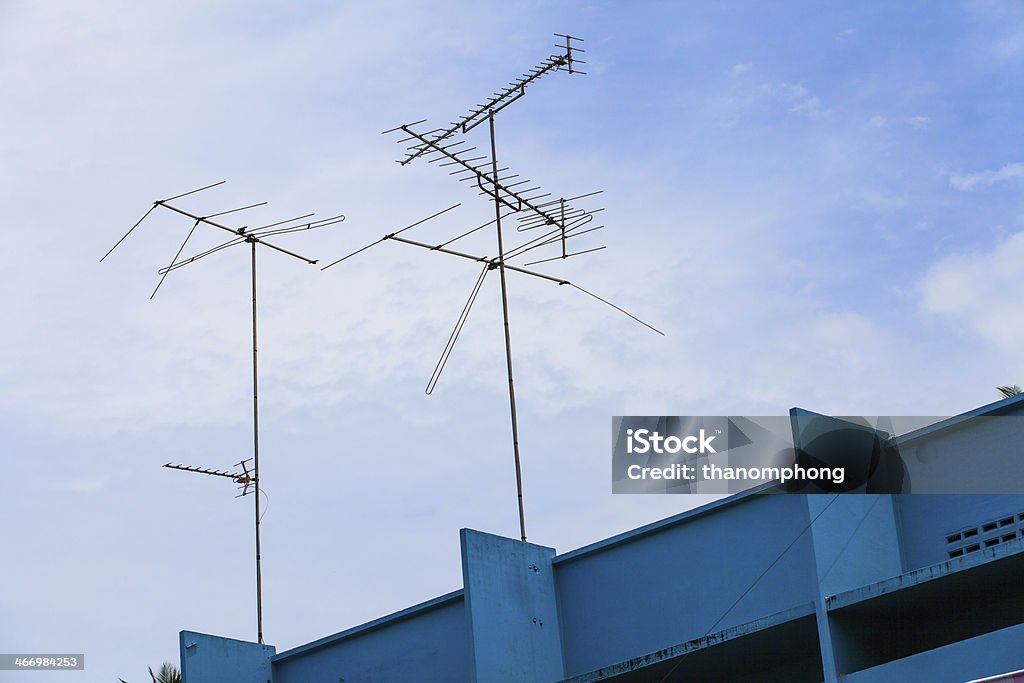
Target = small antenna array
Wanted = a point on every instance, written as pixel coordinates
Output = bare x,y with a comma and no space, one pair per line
244,479
253,237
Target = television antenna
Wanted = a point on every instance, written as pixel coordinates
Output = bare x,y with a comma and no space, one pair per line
559,219
244,479
253,237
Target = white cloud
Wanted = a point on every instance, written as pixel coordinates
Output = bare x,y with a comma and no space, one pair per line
980,293
769,100
797,98
971,181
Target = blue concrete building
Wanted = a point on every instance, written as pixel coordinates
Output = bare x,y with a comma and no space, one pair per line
861,588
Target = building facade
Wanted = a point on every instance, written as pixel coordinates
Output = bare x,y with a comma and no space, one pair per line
863,588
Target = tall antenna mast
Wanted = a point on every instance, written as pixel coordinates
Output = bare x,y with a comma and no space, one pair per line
252,237
559,218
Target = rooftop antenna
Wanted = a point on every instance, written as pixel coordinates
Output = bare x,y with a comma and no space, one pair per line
558,219
244,479
252,237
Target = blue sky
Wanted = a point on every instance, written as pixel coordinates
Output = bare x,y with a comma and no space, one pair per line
820,203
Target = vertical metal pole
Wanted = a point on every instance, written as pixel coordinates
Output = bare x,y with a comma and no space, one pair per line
562,202
508,337
256,454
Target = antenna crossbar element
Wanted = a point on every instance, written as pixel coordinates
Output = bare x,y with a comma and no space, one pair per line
494,263
244,478
390,236
506,96
238,231
514,199
256,235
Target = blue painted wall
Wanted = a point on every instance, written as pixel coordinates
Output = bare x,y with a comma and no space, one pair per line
987,655
429,645
856,540
212,659
926,520
671,585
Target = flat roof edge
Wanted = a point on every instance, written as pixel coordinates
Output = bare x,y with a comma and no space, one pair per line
991,409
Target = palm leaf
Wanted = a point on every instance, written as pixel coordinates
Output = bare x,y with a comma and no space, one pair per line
1009,391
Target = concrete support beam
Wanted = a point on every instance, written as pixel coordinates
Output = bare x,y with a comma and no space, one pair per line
212,659
511,609
856,542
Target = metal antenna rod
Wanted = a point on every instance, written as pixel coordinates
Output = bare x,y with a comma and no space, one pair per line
256,452
237,477
562,204
508,335
253,237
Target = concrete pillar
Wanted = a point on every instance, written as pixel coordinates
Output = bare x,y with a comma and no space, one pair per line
511,609
856,542
855,534
212,659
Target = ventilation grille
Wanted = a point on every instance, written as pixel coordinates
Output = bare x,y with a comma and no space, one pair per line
994,532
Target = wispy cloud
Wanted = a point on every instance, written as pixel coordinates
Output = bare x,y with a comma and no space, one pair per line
972,181
796,98
979,292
